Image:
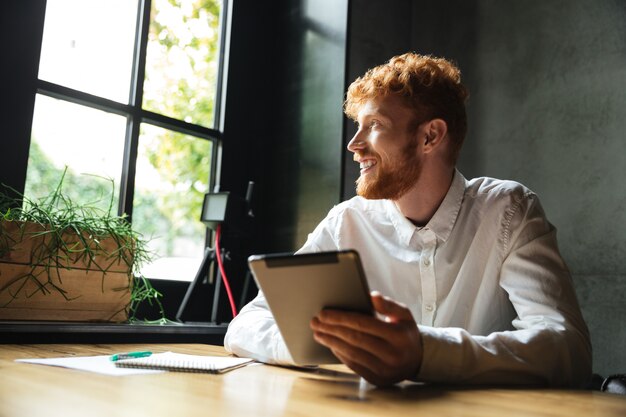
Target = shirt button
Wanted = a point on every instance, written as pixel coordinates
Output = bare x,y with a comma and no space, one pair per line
429,307
427,262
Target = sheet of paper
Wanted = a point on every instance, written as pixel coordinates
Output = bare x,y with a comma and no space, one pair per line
99,364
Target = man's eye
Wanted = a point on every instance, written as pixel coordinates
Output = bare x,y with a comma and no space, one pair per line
369,125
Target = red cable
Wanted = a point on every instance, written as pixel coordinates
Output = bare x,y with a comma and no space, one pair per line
218,251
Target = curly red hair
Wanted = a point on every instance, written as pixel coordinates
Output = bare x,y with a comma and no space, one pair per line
431,86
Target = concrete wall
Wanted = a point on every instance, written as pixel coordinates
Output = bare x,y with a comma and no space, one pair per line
548,109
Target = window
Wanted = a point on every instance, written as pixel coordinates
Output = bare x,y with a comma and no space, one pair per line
129,90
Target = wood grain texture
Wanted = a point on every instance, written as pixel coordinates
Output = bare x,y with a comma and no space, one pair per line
38,281
257,390
88,295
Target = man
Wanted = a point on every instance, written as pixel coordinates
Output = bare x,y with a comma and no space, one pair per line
469,283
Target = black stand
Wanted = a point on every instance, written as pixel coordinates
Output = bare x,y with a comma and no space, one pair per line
217,208
249,290
206,285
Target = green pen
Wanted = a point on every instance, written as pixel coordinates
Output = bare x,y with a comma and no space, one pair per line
129,355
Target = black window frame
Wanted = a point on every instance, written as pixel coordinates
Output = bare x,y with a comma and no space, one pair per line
135,114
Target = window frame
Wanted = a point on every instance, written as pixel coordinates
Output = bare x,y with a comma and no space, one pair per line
135,114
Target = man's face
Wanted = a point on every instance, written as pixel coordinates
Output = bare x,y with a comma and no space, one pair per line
386,148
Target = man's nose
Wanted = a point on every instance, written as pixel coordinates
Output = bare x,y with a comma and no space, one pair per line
356,143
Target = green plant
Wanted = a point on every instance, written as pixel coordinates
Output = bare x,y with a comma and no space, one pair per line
74,233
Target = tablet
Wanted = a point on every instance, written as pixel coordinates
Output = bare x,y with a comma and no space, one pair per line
298,287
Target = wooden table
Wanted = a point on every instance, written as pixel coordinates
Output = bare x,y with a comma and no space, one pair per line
28,390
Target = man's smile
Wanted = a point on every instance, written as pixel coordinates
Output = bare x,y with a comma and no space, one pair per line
366,164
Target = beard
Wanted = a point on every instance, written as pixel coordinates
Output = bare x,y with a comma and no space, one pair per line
391,182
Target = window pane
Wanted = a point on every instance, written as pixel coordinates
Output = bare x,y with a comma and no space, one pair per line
88,46
85,140
170,183
182,59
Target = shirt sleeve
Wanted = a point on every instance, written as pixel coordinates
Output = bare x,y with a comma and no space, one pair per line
550,344
253,333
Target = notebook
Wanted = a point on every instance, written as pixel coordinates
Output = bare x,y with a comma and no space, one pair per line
170,361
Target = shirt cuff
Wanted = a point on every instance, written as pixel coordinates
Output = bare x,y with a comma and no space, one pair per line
441,360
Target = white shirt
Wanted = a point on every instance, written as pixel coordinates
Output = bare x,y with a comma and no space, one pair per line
484,280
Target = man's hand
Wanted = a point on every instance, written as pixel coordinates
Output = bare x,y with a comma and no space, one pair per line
381,351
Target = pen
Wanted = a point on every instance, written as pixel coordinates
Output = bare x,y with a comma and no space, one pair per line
129,355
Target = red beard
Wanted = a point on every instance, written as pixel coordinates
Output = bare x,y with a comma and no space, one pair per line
391,182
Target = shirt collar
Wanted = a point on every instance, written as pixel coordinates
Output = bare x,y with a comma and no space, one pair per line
445,217
441,223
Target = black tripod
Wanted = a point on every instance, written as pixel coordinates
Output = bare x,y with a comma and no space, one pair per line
217,208
205,284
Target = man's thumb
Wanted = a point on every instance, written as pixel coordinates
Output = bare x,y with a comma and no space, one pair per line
389,308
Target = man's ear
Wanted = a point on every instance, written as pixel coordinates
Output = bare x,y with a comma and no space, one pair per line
435,131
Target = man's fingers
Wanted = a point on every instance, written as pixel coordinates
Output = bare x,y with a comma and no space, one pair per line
367,342
360,361
383,351
394,312
355,321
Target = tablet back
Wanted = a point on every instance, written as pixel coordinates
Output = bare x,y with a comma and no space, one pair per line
297,287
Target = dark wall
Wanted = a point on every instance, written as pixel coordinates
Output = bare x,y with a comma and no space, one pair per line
283,121
311,118
546,108
22,29
549,101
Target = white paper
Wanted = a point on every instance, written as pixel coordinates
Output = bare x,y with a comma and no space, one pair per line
98,364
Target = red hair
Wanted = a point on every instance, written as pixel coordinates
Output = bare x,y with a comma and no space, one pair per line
431,86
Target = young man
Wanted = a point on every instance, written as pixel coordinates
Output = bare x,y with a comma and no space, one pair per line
467,277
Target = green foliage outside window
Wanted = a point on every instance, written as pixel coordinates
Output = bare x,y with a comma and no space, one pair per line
181,74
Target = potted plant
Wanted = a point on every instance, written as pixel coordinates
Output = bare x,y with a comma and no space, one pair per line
64,261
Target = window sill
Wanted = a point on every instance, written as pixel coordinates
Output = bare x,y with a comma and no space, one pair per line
71,332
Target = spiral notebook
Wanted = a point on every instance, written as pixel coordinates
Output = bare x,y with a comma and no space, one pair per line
170,361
